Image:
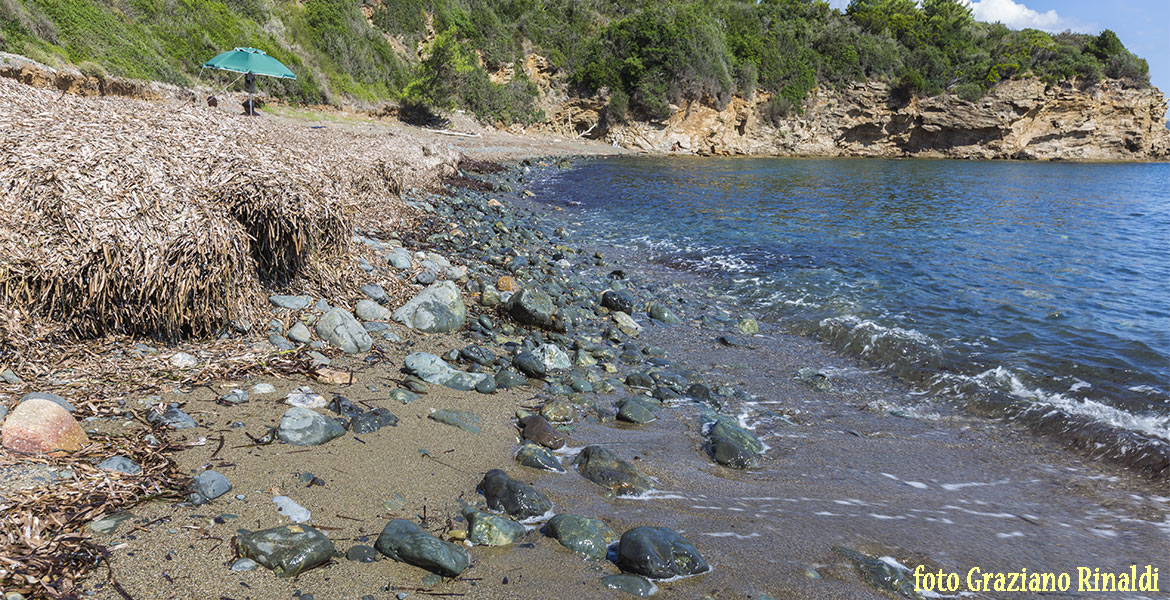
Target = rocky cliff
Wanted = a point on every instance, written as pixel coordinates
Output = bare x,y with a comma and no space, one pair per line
1017,119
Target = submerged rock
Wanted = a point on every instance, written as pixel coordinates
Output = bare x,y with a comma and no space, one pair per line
630,584
288,550
658,553
881,574
604,468
529,364
513,497
406,542
583,535
728,453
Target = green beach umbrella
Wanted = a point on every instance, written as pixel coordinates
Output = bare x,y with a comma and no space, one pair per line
249,61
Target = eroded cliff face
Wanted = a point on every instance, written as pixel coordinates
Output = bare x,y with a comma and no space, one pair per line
1017,119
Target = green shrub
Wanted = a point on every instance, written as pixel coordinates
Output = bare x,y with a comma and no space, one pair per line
92,69
969,91
1129,67
776,110
617,109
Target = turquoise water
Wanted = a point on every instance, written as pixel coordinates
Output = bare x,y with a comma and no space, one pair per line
1043,289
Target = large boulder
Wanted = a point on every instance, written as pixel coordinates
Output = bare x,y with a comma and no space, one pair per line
531,306
437,309
341,329
406,542
658,553
40,425
288,550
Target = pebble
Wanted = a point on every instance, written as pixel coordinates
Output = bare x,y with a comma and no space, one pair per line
303,427
362,553
182,360
513,497
462,419
210,484
244,564
288,550
658,553
120,464
404,541
290,302
291,510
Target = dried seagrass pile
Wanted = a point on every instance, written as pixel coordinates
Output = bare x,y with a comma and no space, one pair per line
123,216
120,218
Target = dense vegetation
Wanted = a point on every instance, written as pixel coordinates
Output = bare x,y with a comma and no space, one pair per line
644,55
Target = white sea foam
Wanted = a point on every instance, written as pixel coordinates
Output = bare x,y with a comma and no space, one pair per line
729,534
1157,426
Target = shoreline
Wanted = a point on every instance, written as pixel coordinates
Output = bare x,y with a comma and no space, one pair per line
817,459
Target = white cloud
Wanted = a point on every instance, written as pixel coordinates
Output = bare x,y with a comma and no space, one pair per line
1013,14
1018,16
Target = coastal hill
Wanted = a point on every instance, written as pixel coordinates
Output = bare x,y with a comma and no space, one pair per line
779,77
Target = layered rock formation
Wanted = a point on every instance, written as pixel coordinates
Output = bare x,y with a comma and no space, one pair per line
1017,119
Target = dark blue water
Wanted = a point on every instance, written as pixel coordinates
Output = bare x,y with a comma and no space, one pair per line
1047,284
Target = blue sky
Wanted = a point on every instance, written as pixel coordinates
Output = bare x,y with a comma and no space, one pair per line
1143,25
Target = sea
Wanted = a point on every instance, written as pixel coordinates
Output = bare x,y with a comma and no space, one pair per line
1032,292
960,366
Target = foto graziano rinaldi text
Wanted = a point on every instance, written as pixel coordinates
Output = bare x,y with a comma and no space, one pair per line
1084,579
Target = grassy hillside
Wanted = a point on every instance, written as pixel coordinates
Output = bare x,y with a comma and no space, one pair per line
644,55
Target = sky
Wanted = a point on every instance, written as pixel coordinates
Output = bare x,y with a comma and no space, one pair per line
1142,25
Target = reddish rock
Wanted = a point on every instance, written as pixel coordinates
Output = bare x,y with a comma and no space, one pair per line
38,425
507,284
536,428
